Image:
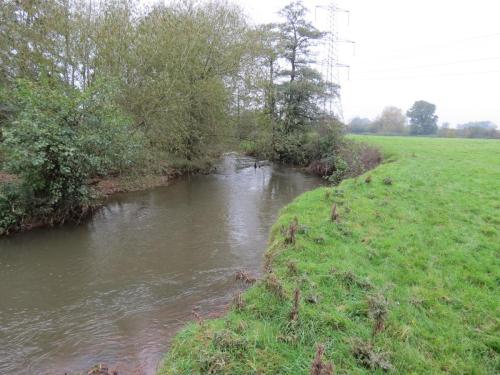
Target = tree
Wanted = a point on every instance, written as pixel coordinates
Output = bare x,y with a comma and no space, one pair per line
391,121
303,85
422,116
31,34
270,51
360,125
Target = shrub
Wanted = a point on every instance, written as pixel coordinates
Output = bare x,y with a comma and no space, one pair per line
259,146
323,149
56,139
346,159
290,148
10,210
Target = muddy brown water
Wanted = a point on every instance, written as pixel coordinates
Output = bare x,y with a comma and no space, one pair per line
116,289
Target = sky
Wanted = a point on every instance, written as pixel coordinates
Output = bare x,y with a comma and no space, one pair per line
446,52
443,51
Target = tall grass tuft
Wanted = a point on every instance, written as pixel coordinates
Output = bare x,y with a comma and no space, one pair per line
334,215
318,366
292,232
294,314
378,306
274,286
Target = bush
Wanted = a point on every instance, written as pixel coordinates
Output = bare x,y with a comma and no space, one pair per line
323,150
10,211
344,159
303,148
56,139
292,148
260,146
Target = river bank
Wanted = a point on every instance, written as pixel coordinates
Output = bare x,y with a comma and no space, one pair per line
104,188
392,271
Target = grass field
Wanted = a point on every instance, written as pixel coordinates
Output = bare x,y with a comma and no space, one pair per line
406,280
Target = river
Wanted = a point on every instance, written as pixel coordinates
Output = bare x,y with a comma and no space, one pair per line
117,288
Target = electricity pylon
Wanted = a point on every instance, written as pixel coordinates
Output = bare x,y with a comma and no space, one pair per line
331,65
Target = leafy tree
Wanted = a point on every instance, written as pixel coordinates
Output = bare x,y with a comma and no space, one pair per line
267,55
30,38
293,90
183,59
423,120
391,121
304,86
293,127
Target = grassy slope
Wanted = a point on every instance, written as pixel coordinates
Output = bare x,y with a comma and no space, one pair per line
429,243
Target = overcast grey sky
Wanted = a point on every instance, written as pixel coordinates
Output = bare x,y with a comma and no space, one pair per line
443,51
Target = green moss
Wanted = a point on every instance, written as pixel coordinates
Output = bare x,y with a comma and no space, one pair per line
425,245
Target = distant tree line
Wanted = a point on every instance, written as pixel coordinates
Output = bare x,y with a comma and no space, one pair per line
420,119
474,129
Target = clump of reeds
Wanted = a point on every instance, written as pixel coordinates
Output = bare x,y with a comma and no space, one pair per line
268,262
370,358
245,277
292,268
238,302
274,286
334,215
319,367
292,232
378,312
101,369
294,314
198,317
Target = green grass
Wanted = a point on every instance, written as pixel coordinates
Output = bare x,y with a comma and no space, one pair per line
422,253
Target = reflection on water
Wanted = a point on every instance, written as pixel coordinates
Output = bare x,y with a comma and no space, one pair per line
116,289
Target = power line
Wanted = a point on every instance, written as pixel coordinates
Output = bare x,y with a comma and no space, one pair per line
431,65
470,38
443,44
426,76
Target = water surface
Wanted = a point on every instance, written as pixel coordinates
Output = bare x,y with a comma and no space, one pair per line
116,289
